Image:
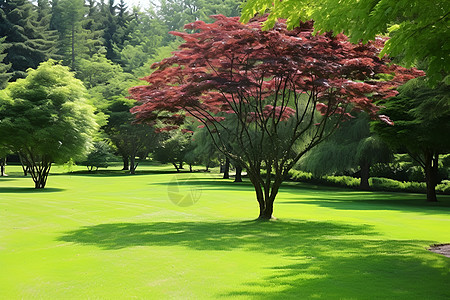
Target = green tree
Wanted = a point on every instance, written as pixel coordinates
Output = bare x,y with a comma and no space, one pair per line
173,148
418,28
29,40
45,119
352,147
130,140
175,13
4,68
97,70
67,18
422,122
99,157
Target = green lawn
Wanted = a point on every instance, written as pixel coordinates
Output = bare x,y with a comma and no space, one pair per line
111,236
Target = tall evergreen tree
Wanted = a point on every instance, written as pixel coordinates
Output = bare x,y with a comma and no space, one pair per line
4,75
30,40
66,19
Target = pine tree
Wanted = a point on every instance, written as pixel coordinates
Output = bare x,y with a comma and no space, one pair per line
30,40
4,75
66,19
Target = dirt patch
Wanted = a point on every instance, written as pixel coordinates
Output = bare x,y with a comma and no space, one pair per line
443,249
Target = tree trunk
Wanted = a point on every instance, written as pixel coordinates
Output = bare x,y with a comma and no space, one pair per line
226,171
2,166
176,167
431,174
40,175
133,165
266,212
126,164
265,200
365,169
238,176
25,166
190,168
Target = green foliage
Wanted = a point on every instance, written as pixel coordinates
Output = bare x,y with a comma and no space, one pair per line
97,70
387,184
176,13
350,146
339,181
30,41
173,148
422,118
45,117
69,14
100,156
4,75
444,187
418,29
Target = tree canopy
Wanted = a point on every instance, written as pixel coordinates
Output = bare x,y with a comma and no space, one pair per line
418,29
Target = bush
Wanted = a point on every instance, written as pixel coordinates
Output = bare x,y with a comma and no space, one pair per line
344,181
386,184
99,157
341,181
376,183
443,187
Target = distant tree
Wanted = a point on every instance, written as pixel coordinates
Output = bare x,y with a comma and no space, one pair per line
422,124
67,20
99,157
202,150
145,37
351,147
30,42
4,68
268,81
98,70
173,148
130,140
175,13
418,28
45,119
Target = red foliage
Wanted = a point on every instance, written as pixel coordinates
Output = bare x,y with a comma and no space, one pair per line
223,65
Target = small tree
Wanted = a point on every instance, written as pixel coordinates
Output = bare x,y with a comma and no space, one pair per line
173,148
273,83
45,118
422,125
129,139
99,156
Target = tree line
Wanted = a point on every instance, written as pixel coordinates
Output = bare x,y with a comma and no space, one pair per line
99,47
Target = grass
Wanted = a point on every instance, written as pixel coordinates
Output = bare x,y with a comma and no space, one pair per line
162,235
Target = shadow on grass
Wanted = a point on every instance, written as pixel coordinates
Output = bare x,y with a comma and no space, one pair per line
209,183
19,190
115,173
330,197
359,200
325,259
251,235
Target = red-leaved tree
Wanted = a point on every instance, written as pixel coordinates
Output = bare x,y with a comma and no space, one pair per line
281,92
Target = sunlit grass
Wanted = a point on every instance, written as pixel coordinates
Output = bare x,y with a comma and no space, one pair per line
109,235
